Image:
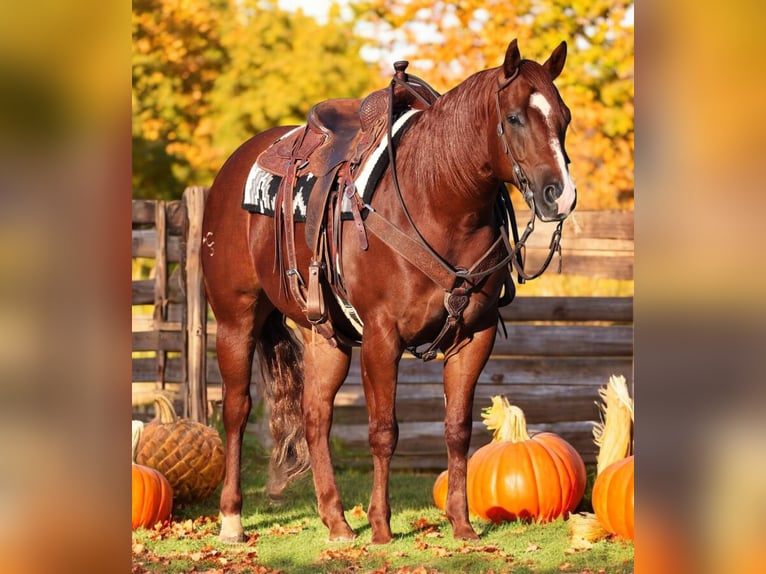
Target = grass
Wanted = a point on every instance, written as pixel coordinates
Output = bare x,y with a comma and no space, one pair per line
290,537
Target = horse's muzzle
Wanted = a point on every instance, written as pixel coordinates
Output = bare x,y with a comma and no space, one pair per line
551,208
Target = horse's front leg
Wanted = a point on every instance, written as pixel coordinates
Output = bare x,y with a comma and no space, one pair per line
325,370
380,362
461,371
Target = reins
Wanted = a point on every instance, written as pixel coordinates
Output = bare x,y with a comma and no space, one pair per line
516,254
417,250
403,79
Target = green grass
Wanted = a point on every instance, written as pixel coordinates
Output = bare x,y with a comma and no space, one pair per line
290,537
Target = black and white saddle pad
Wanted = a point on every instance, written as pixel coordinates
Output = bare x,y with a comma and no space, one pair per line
261,186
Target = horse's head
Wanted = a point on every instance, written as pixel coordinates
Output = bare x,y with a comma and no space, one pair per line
532,122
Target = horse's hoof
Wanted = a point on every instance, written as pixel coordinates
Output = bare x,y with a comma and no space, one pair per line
233,539
341,539
231,529
343,535
466,535
382,538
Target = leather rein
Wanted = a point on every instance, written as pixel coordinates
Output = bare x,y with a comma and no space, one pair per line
417,250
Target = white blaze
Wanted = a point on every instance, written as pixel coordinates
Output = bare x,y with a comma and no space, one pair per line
564,203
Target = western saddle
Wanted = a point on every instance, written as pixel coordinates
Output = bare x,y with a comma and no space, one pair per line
337,139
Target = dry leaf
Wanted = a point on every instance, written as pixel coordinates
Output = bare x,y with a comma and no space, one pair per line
251,539
138,548
357,511
279,530
421,524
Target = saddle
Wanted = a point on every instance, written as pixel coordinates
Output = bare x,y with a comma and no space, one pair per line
338,137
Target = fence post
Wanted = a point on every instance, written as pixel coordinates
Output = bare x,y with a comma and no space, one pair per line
160,314
196,306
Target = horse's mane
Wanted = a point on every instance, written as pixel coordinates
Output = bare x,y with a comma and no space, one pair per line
452,134
444,154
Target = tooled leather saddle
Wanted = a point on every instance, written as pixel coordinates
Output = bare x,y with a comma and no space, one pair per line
337,139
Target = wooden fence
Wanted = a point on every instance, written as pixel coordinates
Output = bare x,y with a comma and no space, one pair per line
558,352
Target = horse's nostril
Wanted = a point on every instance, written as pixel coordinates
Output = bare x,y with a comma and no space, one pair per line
551,193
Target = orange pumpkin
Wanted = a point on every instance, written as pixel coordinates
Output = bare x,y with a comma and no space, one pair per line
152,497
612,497
516,476
440,491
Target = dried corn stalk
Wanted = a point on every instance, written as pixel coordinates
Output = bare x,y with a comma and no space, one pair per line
584,530
506,420
613,435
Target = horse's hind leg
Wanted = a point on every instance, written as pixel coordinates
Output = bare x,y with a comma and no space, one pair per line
325,370
235,344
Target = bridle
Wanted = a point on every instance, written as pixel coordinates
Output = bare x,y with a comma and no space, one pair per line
522,183
516,253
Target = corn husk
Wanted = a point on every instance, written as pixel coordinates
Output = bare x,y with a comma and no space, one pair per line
584,530
613,435
136,428
507,421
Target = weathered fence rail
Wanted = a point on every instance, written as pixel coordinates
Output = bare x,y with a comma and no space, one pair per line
557,353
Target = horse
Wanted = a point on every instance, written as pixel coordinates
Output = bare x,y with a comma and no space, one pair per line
437,196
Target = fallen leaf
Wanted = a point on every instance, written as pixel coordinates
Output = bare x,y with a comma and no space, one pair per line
138,548
532,548
357,511
279,530
251,539
350,553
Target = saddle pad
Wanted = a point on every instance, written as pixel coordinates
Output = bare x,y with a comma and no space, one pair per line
261,186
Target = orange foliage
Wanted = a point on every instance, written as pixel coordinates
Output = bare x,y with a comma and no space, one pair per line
447,41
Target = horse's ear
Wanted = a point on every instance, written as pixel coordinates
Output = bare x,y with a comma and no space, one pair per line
555,63
512,59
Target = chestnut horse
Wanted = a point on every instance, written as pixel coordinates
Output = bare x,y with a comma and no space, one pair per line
505,124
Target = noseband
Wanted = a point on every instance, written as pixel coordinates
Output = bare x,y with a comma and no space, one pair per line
522,183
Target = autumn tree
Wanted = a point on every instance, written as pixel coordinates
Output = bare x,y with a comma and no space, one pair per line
281,64
447,41
209,74
177,56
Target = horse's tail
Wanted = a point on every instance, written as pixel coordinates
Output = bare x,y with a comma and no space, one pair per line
281,357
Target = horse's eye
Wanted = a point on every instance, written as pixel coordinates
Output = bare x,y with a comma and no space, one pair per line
514,119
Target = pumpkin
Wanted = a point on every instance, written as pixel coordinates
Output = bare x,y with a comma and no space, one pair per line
440,491
518,476
612,497
189,454
152,495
